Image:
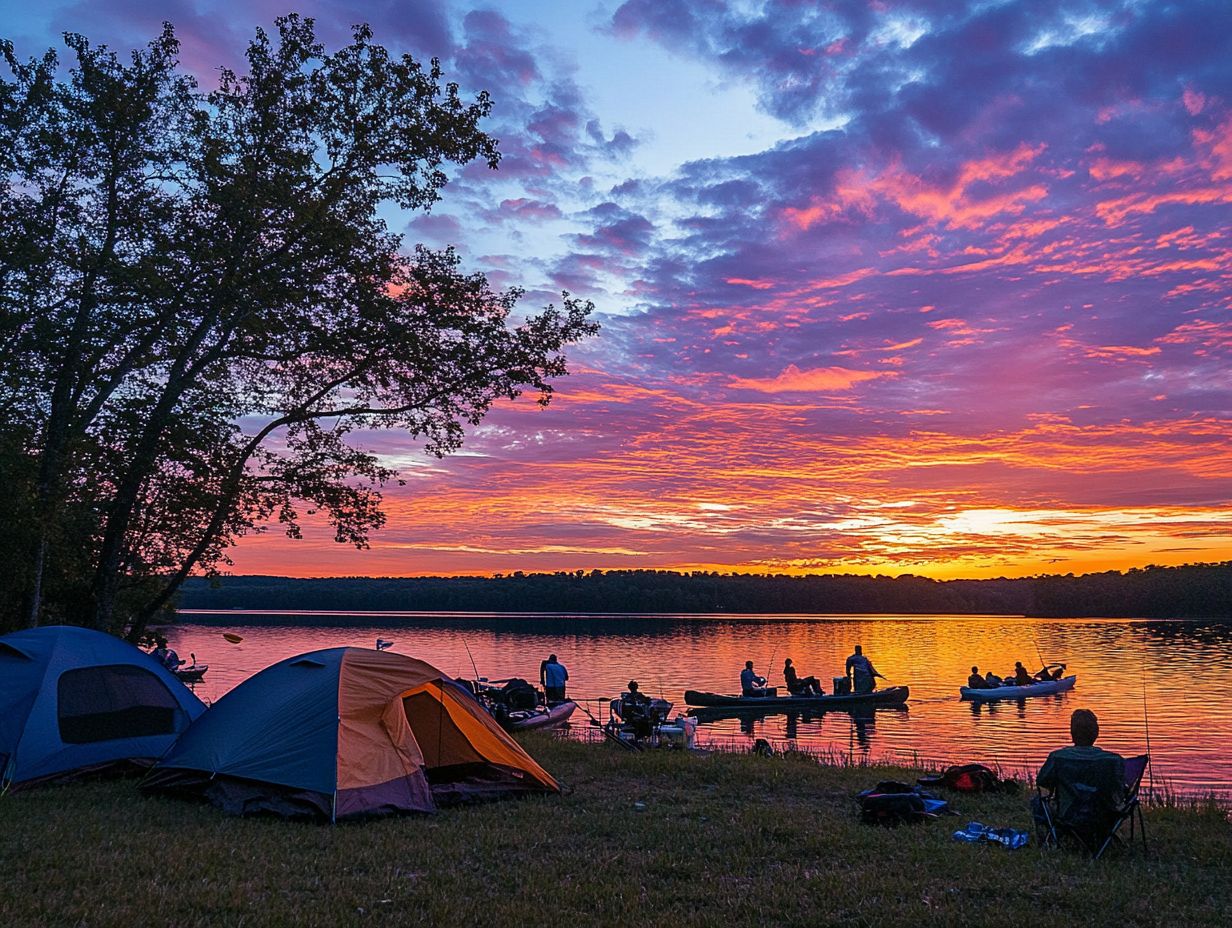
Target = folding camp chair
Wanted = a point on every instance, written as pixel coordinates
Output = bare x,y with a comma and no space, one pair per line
1130,808
1088,821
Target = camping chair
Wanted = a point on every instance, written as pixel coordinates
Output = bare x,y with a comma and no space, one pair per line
1088,820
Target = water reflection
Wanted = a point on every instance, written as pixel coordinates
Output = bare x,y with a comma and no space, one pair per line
1122,667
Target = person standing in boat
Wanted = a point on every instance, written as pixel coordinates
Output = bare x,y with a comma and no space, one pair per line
798,685
553,676
750,683
861,672
976,681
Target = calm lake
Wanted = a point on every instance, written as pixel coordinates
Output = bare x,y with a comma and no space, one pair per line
1180,671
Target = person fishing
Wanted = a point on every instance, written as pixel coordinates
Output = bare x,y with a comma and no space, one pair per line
750,683
1085,779
861,672
1050,672
797,685
976,681
553,676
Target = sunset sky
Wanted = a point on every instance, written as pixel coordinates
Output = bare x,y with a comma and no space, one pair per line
903,287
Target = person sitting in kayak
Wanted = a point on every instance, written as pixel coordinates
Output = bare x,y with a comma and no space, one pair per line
1022,676
992,681
750,683
976,681
861,672
1050,673
797,685
552,674
166,655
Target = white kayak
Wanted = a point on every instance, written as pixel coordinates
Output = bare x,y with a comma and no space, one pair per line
1043,688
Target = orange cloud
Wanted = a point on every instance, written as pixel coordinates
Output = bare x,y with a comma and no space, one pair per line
956,205
817,380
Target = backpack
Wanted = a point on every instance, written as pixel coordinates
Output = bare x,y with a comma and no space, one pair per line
891,804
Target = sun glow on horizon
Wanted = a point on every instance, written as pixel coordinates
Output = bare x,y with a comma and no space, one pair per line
871,302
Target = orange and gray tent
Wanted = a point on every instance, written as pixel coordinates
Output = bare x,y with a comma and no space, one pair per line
346,732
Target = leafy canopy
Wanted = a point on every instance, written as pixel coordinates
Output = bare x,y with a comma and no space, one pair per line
201,306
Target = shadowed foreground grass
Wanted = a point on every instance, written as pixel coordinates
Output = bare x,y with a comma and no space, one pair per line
658,838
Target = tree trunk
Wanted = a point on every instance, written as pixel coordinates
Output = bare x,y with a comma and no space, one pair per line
59,419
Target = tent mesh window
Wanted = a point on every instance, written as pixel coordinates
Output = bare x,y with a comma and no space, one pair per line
115,701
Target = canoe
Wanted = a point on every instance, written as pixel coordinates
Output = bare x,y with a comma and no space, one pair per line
893,696
539,717
192,673
1043,688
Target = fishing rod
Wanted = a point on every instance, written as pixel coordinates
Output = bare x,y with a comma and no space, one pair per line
472,657
1038,652
607,733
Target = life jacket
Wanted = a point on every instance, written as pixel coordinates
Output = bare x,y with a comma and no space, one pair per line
966,778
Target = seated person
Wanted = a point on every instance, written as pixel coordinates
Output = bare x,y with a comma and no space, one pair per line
992,681
976,681
1088,783
635,710
1022,676
750,683
798,685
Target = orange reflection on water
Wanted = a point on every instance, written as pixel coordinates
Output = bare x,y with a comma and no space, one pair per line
1121,666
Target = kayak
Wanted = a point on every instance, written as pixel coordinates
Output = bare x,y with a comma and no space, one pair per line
1043,688
893,696
192,673
539,717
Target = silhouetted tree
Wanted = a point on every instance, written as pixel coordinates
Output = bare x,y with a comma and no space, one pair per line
200,303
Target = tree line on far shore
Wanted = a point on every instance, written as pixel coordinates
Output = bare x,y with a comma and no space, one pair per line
1190,591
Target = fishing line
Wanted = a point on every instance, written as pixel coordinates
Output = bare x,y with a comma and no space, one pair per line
1146,722
1038,652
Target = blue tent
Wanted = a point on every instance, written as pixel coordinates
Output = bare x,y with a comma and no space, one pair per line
73,699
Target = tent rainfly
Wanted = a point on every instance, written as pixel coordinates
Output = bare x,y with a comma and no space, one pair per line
74,700
343,733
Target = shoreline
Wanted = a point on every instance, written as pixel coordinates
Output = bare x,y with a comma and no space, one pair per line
652,838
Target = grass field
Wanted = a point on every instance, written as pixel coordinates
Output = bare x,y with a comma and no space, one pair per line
660,838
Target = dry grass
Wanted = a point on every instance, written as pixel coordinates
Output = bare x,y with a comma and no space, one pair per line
659,838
